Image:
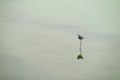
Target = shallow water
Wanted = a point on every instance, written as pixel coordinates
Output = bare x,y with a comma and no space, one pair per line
34,50
31,52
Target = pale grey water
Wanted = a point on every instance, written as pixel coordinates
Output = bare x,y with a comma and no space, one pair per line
32,49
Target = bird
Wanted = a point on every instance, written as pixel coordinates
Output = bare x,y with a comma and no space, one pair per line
80,55
80,37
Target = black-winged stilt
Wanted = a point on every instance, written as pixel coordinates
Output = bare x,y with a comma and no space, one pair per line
80,55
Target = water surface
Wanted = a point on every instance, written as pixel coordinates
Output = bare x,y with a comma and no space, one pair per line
40,42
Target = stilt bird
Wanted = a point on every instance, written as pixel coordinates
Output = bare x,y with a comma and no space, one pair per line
80,55
80,37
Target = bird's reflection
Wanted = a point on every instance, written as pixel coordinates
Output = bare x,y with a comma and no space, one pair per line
79,56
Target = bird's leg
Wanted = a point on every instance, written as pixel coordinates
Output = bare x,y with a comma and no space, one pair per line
80,47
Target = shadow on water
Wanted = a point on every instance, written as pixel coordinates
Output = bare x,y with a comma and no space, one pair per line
79,56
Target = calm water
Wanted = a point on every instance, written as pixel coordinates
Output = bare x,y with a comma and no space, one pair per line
30,52
34,50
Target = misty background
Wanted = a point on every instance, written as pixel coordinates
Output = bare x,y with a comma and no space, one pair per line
38,39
